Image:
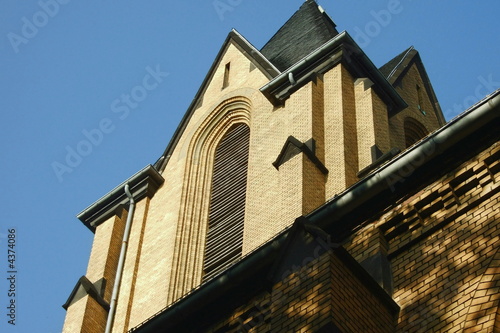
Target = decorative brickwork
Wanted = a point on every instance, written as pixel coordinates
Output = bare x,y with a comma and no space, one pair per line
443,246
325,291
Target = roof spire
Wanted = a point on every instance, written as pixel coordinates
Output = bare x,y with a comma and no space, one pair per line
307,29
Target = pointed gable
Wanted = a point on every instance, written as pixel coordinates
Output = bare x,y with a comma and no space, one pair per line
395,67
309,28
250,52
398,68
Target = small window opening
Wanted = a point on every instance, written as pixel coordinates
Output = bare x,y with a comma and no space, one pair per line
420,100
226,75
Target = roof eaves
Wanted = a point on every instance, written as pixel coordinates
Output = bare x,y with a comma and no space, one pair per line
254,54
341,48
144,183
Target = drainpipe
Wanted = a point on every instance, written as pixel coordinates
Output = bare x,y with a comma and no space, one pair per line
121,261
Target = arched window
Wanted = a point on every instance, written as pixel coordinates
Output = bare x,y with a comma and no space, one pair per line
414,131
226,215
200,246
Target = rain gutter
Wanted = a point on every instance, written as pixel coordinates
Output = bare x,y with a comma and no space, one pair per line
382,181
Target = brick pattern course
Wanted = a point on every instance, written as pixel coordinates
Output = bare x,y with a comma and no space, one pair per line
443,245
323,291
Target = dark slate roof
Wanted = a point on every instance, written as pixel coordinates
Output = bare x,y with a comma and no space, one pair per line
392,65
306,30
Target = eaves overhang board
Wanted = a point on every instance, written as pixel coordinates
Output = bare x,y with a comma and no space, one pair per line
143,184
340,49
245,47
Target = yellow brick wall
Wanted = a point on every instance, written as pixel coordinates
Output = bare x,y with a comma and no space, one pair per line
443,246
75,315
86,313
341,148
95,317
131,302
318,116
268,133
85,316
313,187
105,252
323,291
371,122
406,87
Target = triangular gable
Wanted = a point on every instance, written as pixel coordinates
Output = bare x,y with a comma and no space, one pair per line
247,49
396,69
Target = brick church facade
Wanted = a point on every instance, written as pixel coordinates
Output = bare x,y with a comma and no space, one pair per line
305,190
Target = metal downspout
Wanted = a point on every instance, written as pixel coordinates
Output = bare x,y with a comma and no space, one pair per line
121,261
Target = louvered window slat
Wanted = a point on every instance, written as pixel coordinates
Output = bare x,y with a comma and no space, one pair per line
220,239
224,240
223,227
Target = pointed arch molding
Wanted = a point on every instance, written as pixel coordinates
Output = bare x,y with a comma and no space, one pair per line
414,131
192,225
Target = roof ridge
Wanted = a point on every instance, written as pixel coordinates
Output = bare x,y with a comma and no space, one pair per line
411,48
389,68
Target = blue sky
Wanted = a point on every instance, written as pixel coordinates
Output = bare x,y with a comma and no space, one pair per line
65,65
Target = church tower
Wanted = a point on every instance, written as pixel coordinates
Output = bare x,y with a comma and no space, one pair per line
271,135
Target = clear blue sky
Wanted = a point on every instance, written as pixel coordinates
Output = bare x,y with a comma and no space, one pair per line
64,68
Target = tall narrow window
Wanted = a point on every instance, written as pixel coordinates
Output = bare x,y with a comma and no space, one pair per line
226,75
224,241
420,100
